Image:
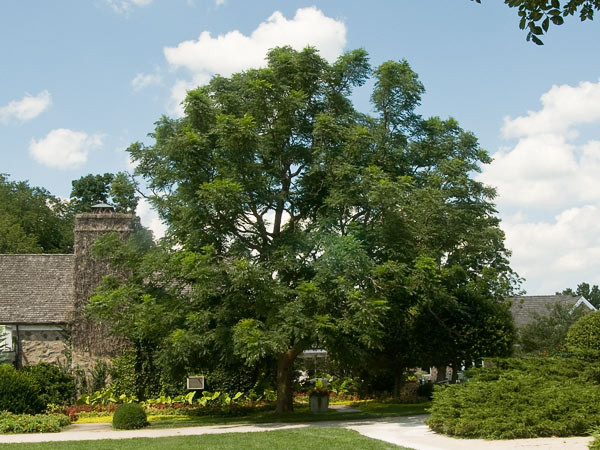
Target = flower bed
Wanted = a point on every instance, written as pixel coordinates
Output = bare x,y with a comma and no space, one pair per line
25,423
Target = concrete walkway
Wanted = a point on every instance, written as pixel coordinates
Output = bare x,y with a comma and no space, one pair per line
408,431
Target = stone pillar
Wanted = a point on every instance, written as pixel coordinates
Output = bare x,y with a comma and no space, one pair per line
90,340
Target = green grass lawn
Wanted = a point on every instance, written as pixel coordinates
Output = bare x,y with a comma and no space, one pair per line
307,438
369,410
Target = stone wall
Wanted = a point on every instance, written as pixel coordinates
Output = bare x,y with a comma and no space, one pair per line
91,340
42,346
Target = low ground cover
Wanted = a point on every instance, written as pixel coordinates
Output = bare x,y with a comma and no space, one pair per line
307,438
521,398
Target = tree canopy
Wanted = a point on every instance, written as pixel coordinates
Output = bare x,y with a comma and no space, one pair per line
537,15
297,222
118,190
32,220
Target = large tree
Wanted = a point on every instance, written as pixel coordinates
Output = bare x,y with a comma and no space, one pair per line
298,221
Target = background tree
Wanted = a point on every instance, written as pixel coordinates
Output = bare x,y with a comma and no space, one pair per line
537,15
590,293
32,220
547,333
118,190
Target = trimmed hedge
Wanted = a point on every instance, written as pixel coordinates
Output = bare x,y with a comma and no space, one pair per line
521,398
25,423
129,416
19,393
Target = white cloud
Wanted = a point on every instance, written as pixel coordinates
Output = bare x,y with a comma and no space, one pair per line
125,6
547,168
234,51
63,148
219,2
142,81
563,107
150,219
29,107
550,180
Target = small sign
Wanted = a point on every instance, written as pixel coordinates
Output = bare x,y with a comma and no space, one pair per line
195,383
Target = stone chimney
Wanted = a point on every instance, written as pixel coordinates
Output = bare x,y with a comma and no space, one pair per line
90,340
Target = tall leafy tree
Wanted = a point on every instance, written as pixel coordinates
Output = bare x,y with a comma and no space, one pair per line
300,222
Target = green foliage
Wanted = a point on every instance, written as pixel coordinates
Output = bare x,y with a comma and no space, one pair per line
583,338
19,392
296,222
118,190
56,386
32,220
537,15
520,398
123,378
99,375
595,444
25,423
129,416
547,333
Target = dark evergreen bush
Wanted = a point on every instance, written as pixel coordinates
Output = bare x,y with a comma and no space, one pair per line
55,385
521,398
19,392
129,416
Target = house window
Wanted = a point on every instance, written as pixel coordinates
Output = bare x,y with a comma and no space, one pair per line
6,344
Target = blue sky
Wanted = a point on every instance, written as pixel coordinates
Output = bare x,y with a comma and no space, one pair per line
81,80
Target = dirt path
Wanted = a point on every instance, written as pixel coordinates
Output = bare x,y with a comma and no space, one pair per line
408,431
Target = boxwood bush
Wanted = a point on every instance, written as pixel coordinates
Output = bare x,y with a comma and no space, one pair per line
19,393
129,416
521,398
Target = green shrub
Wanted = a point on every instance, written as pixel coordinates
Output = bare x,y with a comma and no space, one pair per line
129,416
25,423
55,385
19,392
122,374
583,338
520,398
595,444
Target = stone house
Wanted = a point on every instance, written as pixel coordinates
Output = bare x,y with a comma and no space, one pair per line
42,298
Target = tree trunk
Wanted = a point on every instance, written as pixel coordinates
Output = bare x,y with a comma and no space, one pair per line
455,369
441,373
285,370
398,381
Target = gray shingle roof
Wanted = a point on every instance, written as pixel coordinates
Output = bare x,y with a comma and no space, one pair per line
36,289
524,309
